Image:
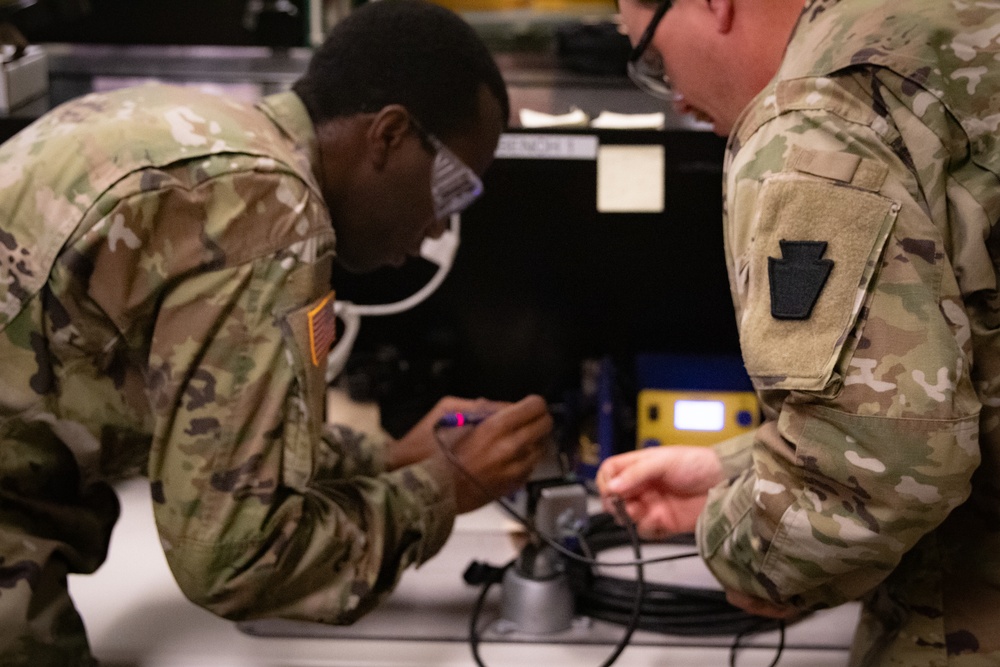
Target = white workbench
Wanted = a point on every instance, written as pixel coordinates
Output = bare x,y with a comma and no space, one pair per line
135,615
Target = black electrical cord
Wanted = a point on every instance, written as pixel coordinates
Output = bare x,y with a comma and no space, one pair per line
640,582
663,608
734,649
495,575
477,610
630,530
666,608
530,526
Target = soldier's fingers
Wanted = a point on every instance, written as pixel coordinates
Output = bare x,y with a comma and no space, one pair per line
528,409
613,466
636,473
524,425
470,405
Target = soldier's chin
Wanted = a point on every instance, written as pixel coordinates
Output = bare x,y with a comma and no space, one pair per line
701,116
681,105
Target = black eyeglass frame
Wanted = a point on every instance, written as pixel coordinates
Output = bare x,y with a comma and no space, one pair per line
656,86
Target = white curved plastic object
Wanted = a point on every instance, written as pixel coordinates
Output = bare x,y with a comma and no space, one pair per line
440,251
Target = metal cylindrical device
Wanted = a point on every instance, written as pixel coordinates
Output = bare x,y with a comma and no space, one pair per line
537,605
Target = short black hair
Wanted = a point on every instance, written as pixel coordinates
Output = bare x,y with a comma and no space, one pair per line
408,52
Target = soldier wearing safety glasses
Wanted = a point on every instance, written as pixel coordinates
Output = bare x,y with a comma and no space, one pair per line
862,194
165,307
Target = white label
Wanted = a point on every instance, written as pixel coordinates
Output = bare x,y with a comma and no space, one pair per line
630,179
547,147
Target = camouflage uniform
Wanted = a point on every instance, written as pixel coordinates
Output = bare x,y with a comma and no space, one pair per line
862,190
165,260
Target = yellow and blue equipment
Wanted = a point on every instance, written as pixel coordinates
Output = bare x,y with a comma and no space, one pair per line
693,400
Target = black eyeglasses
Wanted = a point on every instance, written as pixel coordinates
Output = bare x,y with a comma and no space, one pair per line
645,65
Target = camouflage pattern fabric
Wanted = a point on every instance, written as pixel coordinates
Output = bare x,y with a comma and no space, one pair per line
871,159
165,262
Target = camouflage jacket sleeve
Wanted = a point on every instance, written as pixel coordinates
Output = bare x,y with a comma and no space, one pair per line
735,453
854,331
354,453
262,509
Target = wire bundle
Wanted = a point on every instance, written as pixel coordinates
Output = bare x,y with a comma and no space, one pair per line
665,608
489,575
636,603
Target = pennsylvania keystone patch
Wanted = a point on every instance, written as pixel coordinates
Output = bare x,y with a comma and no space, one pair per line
797,279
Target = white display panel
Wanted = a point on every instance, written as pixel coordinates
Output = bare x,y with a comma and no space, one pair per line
699,415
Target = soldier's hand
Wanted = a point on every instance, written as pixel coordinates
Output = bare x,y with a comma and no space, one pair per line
420,442
663,488
497,456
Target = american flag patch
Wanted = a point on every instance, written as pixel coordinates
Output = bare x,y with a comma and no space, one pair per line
322,329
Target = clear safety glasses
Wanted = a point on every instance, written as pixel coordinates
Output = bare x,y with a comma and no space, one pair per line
453,184
645,65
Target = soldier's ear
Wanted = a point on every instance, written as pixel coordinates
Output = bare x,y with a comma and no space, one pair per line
722,12
388,128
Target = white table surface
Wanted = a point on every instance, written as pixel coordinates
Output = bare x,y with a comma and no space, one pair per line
135,615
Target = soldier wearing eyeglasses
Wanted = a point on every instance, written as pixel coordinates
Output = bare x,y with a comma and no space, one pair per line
862,194
165,307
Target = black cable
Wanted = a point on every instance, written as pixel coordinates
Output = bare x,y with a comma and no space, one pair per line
666,608
777,656
491,576
640,591
477,610
529,524
636,604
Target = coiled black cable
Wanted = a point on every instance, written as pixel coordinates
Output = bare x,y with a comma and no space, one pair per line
665,608
631,622
636,604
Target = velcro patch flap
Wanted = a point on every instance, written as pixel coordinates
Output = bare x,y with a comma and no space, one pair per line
846,228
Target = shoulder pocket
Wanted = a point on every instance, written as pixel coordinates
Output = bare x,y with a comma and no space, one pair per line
816,249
